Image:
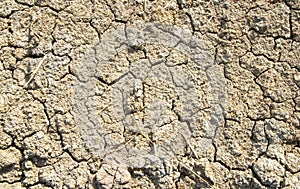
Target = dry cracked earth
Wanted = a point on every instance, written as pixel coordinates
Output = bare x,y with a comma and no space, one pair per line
150,116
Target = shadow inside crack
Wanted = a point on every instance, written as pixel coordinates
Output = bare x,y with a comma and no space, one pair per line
7,168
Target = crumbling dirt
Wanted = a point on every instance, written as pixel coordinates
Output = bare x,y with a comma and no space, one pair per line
49,136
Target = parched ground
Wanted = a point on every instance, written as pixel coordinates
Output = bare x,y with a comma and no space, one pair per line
46,141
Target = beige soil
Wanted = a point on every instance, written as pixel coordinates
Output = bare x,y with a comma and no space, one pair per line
254,44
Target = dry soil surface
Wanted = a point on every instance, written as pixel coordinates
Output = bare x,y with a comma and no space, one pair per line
150,94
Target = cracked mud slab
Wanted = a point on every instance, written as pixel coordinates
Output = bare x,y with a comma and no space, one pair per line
149,106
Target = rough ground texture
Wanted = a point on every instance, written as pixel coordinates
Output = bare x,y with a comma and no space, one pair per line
255,43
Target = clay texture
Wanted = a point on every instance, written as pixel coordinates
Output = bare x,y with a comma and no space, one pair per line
149,94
